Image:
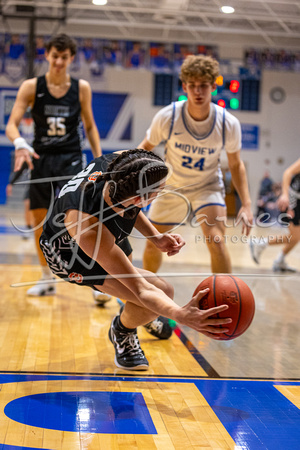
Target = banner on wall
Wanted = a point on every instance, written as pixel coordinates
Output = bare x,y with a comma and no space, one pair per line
93,55
113,115
250,137
7,100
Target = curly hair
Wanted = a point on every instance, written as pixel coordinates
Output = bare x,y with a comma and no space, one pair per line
199,66
134,172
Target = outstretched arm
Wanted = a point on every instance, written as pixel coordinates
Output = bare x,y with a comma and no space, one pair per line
145,144
25,98
98,243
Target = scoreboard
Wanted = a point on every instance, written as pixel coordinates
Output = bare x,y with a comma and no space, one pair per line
228,92
237,92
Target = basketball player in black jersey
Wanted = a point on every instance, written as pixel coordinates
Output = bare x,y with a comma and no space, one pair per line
289,204
85,242
58,103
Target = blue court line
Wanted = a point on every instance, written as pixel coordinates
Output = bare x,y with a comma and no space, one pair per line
211,372
16,447
254,413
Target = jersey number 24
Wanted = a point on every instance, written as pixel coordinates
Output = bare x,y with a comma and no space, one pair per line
188,162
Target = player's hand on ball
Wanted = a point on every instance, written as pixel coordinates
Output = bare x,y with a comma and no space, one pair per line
201,320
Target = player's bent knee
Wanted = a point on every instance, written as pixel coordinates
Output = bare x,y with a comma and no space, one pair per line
216,243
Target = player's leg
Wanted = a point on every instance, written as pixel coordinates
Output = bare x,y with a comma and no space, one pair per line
27,233
294,238
27,213
167,211
38,217
259,244
160,327
100,297
280,265
123,330
290,240
214,233
41,195
41,289
142,316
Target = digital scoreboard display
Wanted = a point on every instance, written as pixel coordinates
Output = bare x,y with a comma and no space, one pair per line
237,92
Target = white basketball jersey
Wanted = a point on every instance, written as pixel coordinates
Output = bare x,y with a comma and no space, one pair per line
195,159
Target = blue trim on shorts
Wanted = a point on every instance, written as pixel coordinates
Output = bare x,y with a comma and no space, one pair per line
166,223
209,204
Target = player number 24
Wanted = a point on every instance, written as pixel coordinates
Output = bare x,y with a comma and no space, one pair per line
57,126
188,162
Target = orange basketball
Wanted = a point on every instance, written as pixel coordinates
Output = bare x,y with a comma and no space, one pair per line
234,292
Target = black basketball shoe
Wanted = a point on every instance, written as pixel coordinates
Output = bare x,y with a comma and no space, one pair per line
129,354
160,327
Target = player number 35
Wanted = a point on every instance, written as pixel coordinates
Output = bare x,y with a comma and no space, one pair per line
57,126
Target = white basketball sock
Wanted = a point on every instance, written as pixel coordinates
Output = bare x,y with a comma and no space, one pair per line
280,257
46,273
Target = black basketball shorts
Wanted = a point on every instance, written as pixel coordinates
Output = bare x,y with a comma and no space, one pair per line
296,218
68,261
57,170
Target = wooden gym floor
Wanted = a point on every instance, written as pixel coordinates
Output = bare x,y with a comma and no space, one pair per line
60,388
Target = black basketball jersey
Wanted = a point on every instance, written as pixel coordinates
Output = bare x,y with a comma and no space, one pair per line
58,127
90,201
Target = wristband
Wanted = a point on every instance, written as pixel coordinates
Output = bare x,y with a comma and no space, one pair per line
21,143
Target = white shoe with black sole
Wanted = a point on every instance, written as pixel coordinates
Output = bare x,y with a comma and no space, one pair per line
257,246
282,267
42,289
101,298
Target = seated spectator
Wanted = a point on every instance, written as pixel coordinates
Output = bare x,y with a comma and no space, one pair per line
14,49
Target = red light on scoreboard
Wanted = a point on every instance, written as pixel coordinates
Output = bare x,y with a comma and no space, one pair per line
234,86
222,103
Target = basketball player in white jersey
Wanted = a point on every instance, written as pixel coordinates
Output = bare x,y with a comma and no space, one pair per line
195,131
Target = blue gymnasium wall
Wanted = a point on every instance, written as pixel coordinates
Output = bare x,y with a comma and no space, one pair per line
5,161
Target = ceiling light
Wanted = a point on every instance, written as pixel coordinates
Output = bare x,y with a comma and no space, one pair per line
99,2
227,9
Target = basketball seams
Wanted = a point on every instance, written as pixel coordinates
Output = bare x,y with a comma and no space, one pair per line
215,300
240,305
214,291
